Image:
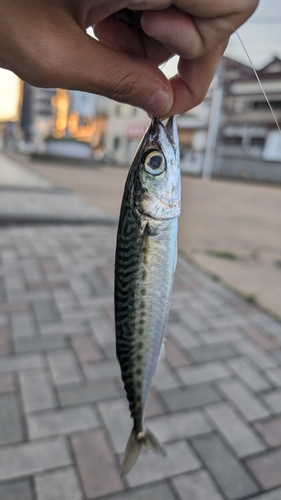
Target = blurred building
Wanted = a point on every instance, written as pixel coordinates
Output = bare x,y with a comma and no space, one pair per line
124,128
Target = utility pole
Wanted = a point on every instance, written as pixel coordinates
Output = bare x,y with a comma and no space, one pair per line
214,123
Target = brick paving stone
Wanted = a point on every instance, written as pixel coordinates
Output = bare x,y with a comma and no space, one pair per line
270,430
182,335
58,485
273,399
174,355
33,344
203,373
194,322
109,350
7,383
258,336
85,350
164,378
220,336
21,362
248,373
274,375
247,403
196,486
65,421
116,416
23,324
266,469
230,475
16,490
160,491
153,467
259,357
5,344
102,370
271,495
190,397
45,311
96,464
178,425
227,320
64,367
103,330
212,352
88,392
154,405
64,328
11,430
36,389
29,458
239,435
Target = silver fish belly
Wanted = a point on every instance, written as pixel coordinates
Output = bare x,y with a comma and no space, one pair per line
145,261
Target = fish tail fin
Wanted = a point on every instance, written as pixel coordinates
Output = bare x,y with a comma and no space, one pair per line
135,444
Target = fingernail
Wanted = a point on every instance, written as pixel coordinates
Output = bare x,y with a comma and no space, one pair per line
160,103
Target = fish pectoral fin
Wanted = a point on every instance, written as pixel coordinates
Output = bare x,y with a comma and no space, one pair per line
162,353
135,444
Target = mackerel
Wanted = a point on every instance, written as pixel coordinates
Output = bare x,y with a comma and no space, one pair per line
146,255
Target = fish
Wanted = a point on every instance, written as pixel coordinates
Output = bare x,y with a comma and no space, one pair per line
145,261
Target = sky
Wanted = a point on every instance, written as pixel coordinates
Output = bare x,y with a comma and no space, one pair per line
261,35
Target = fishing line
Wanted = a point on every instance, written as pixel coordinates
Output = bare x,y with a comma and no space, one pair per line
258,79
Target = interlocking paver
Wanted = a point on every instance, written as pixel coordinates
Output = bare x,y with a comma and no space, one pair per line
64,367
151,467
85,349
239,435
255,353
34,344
212,352
21,362
102,370
116,416
88,392
36,389
273,399
248,404
45,311
158,491
272,495
274,375
203,373
270,430
7,383
196,486
61,421
248,373
233,479
56,314
266,469
29,458
23,324
190,397
58,485
96,464
11,430
16,490
179,425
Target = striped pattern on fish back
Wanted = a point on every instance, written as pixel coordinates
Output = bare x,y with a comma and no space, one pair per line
141,270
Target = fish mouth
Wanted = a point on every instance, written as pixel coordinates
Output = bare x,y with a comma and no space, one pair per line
170,129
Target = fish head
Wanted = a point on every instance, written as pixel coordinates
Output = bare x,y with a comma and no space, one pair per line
156,172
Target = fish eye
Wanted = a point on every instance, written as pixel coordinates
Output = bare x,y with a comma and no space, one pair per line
154,162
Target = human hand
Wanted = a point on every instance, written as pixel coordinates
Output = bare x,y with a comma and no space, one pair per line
45,43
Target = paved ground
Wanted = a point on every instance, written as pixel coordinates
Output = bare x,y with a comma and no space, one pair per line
215,404
230,229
